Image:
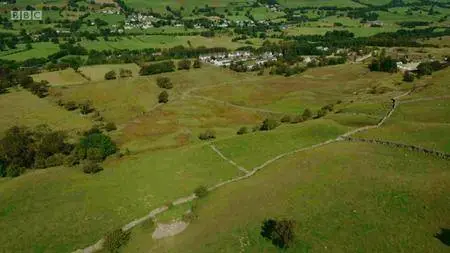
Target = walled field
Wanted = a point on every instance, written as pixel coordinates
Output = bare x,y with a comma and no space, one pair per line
340,195
60,78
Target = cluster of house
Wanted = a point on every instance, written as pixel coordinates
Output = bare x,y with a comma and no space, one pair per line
138,20
407,67
226,59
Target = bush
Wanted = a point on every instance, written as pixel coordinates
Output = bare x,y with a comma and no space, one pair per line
297,119
156,68
96,140
164,82
71,160
148,224
86,107
70,106
184,64
280,232
197,64
201,191
116,239
110,75
123,73
207,135
307,114
55,160
91,168
408,77
163,97
285,119
94,154
110,126
14,171
242,130
268,124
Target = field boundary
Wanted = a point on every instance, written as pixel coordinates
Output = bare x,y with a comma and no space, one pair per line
436,153
395,102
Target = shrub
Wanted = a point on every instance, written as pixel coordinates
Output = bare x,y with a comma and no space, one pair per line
408,77
207,135
123,73
163,97
91,168
285,119
148,224
268,124
164,82
197,64
110,75
184,64
14,171
70,106
156,68
110,126
255,128
201,191
280,232
86,107
116,239
297,119
94,154
321,113
55,160
71,160
99,141
242,130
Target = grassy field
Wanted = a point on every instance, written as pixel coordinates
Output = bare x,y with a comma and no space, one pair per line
60,78
66,209
405,205
97,72
41,49
22,108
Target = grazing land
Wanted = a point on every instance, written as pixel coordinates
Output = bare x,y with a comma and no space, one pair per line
217,126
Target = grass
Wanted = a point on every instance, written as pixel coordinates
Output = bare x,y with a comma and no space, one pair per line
97,72
66,209
41,49
22,108
65,77
328,197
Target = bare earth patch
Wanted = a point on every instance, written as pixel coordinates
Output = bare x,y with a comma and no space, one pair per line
166,230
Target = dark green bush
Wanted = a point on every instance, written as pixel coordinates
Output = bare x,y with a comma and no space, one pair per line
110,75
408,77
207,135
55,160
184,64
268,124
94,154
201,191
116,239
307,114
164,82
163,97
70,106
280,232
98,141
242,130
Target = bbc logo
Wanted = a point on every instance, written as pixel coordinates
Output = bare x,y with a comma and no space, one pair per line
26,15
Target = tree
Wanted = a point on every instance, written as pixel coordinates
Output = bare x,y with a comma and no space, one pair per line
307,114
164,82
99,141
268,124
163,97
201,191
17,148
197,64
424,68
184,64
280,232
408,77
110,75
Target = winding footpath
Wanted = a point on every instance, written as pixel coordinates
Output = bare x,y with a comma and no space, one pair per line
99,245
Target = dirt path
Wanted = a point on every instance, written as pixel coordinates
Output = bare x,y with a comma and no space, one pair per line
99,245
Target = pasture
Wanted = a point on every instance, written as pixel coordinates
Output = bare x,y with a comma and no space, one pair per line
326,191
97,72
60,78
41,49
